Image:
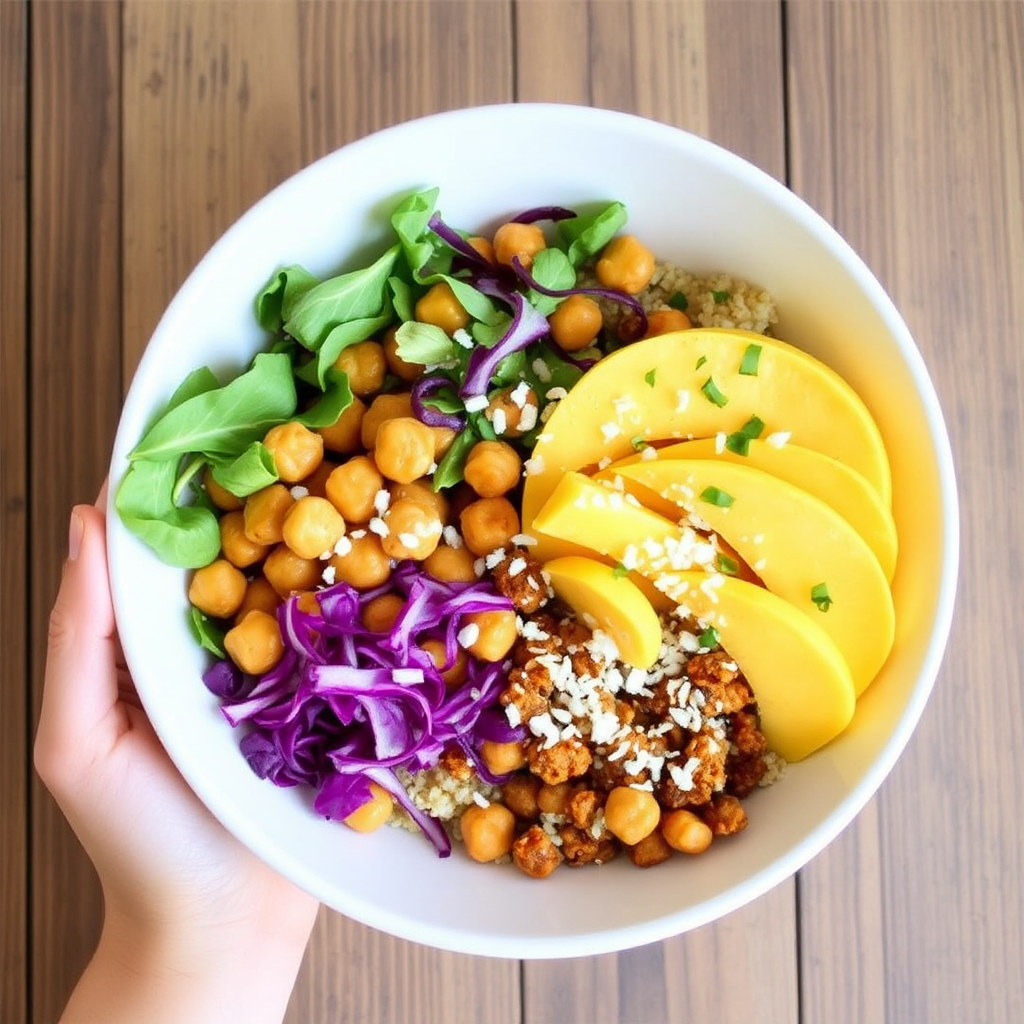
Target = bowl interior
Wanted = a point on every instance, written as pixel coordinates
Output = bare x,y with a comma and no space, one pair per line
703,209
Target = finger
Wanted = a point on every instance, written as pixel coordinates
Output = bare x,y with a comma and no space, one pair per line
101,498
81,680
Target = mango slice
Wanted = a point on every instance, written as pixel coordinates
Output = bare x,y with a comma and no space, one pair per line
831,481
803,550
698,383
802,684
598,594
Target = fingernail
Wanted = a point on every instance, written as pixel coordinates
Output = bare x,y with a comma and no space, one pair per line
75,531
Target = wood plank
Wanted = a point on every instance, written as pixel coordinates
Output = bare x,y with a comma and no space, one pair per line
715,70
14,687
926,179
75,400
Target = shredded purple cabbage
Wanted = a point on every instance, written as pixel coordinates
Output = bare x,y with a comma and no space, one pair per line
423,388
344,707
553,213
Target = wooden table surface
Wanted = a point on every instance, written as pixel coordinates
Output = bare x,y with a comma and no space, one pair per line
133,133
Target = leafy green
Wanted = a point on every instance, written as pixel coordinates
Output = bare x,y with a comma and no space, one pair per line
351,332
585,236
420,246
277,299
251,471
450,469
551,268
403,299
336,398
424,343
206,633
474,302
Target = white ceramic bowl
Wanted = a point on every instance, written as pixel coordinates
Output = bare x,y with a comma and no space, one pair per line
702,208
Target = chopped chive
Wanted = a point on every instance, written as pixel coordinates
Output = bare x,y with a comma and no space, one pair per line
728,565
748,364
701,362
739,441
715,496
712,393
649,377
820,596
720,296
709,638
678,301
620,570
638,442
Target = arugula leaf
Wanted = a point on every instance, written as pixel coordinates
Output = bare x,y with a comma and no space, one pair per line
251,471
223,421
551,269
337,397
489,335
198,382
450,469
424,343
351,332
279,295
474,302
419,244
585,236
402,298
205,633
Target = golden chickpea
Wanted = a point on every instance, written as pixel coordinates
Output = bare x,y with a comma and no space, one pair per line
664,321
381,613
513,411
235,545
493,468
685,832
296,449
626,264
217,589
264,514
483,246
414,530
405,372
522,240
497,633
424,493
220,496
456,673
521,795
374,813
631,814
345,434
316,482
554,799
364,565
452,565
259,596
382,408
443,438
365,365
488,524
576,323
255,644
312,526
440,307
503,758
289,573
352,488
404,449
488,832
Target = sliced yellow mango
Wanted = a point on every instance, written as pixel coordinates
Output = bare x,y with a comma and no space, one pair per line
794,542
598,594
800,680
689,384
833,482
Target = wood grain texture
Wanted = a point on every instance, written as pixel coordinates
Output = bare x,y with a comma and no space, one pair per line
925,176
14,693
75,395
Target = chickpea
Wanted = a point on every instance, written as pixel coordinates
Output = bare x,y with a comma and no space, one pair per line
460,497
312,526
404,449
626,264
522,240
492,468
631,814
235,545
380,614
259,595
414,530
513,411
554,799
264,514
297,450
664,321
685,832
521,795
405,372
316,482
488,832
352,488
220,496
650,851
255,644
365,365
503,758
382,408
483,246
374,813
424,493
217,589
443,438
456,673
576,323
289,573
440,307
488,524
345,434
365,565
452,565
497,633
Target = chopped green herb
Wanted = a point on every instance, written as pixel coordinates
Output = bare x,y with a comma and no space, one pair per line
739,441
820,596
620,570
728,565
720,296
649,377
748,364
678,301
709,638
638,442
701,362
715,496
712,393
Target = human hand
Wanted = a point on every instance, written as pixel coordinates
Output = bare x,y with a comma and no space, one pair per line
183,898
